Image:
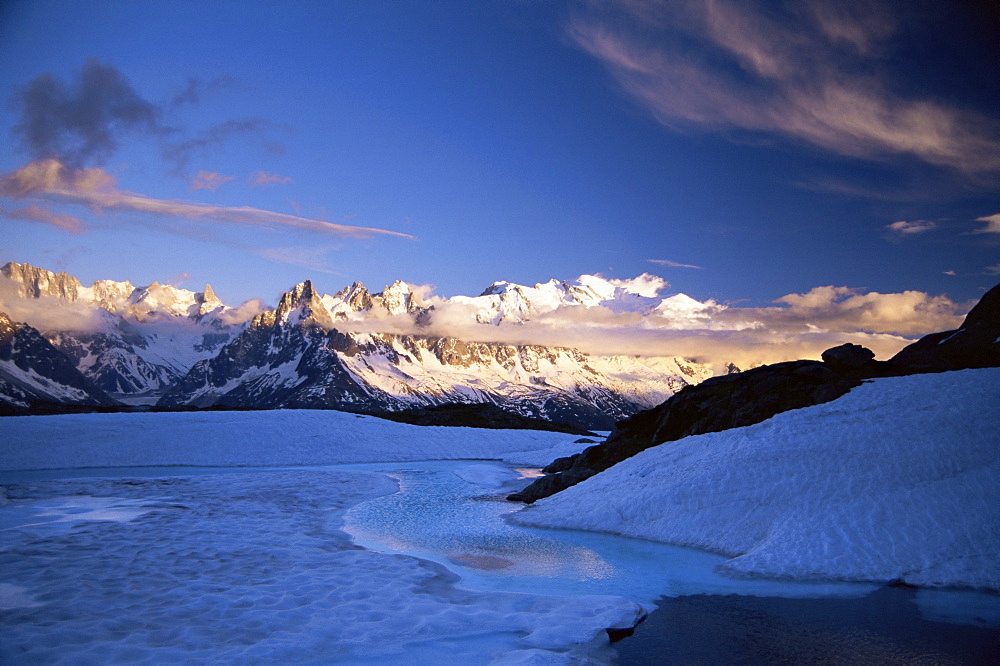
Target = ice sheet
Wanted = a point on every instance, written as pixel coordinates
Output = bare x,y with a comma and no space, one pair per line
279,437
251,567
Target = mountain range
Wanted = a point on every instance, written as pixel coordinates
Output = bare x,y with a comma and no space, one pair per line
355,350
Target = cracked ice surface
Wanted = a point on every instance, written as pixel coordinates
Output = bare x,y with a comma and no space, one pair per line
252,567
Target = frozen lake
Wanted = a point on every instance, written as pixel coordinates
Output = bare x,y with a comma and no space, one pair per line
228,537
217,563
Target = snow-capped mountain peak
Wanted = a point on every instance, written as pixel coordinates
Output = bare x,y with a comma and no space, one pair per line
396,298
108,294
208,301
161,342
158,299
514,303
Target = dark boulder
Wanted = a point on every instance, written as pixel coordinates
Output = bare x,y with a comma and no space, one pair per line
848,358
550,484
563,464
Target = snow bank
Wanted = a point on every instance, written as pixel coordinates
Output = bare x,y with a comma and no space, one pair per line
253,568
898,479
266,438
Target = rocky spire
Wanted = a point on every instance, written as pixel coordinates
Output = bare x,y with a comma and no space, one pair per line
397,298
302,305
357,297
207,301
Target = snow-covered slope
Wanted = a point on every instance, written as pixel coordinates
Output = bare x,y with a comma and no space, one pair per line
897,480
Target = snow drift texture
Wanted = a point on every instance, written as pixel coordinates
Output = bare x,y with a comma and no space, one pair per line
897,480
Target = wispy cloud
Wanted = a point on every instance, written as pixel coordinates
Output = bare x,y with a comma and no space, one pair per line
259,178
906,228
35,213
49,179
179,279
672,264
208,180
311,258
197,88
179,152
992,224
993,270
807,71
646,285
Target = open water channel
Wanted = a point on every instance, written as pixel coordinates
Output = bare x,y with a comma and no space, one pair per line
453,512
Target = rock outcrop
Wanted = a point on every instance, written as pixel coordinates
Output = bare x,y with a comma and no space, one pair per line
974,344
746,398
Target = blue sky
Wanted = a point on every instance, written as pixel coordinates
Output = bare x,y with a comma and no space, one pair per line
743,151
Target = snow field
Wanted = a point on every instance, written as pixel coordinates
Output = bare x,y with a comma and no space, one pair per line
251,567
265,438
899,479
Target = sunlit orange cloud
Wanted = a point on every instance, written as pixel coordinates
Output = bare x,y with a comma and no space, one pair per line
94,187
797,326
35,213
799,78
208,180
179,279
258,178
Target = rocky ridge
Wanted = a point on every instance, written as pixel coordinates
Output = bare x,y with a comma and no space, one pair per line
166,346
296,357
35,376
129,341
